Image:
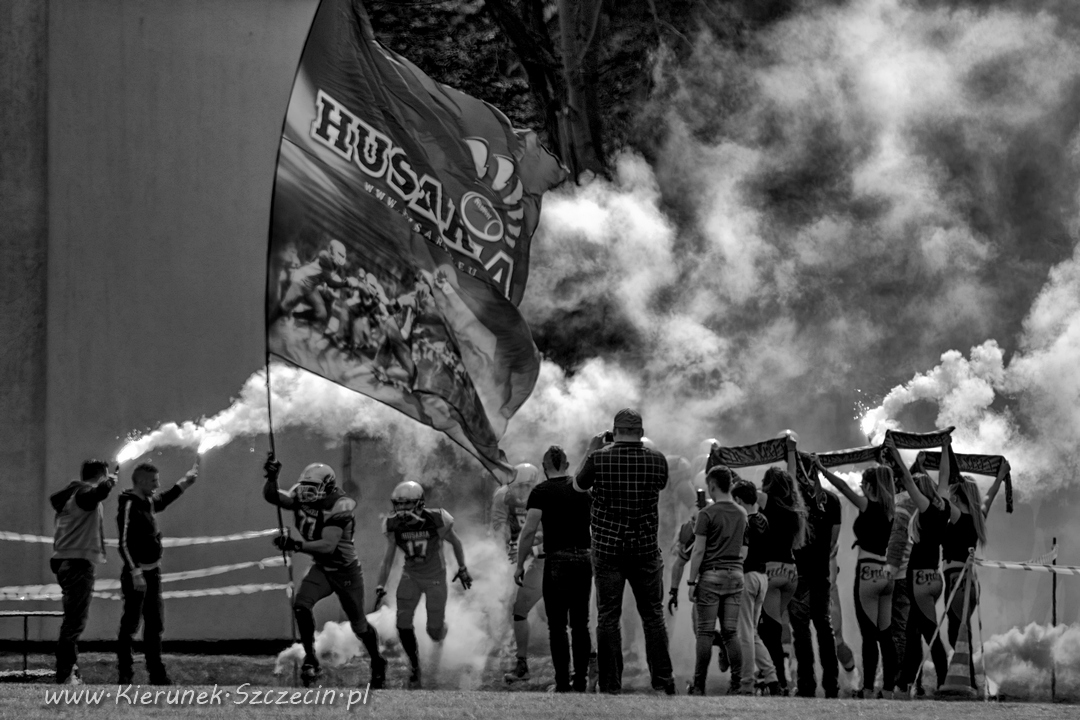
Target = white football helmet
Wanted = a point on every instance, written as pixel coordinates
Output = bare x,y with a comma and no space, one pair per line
316,482
408,499
526,477
337,252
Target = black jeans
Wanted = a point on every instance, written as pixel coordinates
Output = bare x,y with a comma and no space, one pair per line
646,578
76,579
810,606
147,606
567,585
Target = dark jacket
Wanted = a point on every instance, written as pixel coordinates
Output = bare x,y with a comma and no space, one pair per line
139,537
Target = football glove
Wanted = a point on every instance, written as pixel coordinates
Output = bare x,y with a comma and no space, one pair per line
285,543
673,601
380,595
272,468
464,577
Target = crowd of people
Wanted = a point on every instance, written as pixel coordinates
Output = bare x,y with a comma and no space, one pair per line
759,562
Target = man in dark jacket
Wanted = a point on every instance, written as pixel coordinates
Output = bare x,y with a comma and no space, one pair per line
78,545
140,580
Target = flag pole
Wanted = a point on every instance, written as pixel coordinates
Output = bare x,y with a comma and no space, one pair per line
1053,622
280,519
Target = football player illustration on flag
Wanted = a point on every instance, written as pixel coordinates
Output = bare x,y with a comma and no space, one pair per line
324,518
419,532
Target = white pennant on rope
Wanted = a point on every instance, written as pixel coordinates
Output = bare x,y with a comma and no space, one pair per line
36,592
203,592
1032,567
166,542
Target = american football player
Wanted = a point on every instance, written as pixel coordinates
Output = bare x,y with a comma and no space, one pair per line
324,519
419,532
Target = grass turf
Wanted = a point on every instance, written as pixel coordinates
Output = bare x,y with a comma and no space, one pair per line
27,701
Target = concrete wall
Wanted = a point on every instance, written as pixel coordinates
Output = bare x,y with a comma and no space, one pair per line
23,250
162,126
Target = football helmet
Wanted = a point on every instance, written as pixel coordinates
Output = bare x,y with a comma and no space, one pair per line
408,499
337,253
316,482
526,477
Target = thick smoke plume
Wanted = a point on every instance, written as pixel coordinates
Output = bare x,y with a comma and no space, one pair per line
1020,661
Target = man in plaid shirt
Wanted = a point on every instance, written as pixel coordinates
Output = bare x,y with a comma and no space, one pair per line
626,479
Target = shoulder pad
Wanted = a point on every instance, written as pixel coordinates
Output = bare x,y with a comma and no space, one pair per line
342,506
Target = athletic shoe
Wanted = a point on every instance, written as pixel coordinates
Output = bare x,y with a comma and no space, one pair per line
414,679
378,673
310,674
161,680
691,690
126,678
73,678
520,672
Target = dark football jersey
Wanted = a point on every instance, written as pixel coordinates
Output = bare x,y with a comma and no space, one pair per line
421,542
332,511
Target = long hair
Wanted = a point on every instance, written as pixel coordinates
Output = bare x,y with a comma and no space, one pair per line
880,488
928,488
966,492
780,487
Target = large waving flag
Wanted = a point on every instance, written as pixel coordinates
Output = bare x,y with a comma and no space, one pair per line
399,245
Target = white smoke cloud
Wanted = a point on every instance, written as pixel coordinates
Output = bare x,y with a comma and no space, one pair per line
477,621
1020,661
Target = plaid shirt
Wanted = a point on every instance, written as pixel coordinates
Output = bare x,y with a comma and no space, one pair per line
626,479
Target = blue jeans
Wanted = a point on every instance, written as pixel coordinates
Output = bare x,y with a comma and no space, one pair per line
719,593
646,578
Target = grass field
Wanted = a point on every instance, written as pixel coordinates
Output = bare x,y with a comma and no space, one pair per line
27,702
228,674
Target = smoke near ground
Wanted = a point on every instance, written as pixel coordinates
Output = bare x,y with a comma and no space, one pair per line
477,624
1020,661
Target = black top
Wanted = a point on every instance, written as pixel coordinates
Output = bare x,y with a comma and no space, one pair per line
783,527
140,539
872,528
959,539
933,523
757,532
824,513
565,515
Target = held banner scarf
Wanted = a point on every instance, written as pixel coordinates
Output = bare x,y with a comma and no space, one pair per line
402,215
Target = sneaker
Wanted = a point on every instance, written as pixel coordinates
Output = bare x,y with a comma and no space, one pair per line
378,673
520,672
414,679
126,678
310,674
161,680
773,689
691,690
73,678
